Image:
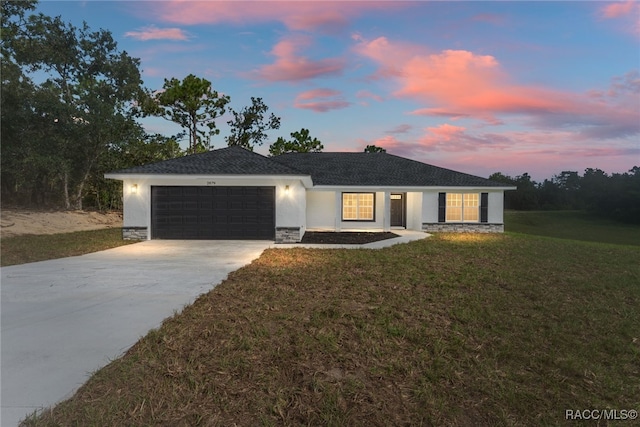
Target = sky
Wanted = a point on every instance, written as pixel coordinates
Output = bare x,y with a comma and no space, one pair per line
480,87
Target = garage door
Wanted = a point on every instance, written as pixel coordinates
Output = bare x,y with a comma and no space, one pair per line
213,213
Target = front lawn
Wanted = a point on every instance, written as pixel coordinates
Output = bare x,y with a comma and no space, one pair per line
461,330
576,225
41,247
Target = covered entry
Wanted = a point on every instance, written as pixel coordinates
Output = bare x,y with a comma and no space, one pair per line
211,212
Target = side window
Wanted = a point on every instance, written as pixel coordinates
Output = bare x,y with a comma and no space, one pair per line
462,207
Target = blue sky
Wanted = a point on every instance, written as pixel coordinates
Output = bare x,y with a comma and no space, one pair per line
480,87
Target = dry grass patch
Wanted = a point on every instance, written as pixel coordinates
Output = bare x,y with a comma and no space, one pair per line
453,330
31,248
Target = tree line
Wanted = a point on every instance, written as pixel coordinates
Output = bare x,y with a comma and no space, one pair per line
615,196
71,104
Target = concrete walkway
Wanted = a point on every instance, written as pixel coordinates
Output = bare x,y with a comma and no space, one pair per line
63,319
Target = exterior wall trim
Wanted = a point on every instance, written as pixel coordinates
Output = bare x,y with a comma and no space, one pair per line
288,234
135,233
462,227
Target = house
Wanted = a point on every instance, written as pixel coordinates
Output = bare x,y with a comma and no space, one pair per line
234,193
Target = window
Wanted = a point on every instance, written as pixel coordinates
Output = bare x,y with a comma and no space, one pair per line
462,207
358,206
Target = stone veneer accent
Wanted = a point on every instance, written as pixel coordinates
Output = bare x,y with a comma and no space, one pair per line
288,234
134,233
452,227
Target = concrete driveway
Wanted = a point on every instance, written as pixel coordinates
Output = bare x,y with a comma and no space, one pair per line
63,319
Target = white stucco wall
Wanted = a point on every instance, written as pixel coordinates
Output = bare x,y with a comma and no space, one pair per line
290,207
414,211
430,206
321,211
496,207
324,211
306,208
136,206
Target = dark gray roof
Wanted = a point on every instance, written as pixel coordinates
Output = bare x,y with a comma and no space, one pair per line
376,169
354,169
232,160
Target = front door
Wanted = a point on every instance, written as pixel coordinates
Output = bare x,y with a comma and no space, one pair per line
398,208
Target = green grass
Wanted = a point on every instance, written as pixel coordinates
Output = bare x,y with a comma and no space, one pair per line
455,330
32,248
571,225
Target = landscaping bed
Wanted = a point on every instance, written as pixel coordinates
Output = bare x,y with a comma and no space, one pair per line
346,238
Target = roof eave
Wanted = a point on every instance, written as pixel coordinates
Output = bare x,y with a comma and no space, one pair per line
306,179
412,188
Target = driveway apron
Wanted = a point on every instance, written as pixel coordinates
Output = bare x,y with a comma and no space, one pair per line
63,319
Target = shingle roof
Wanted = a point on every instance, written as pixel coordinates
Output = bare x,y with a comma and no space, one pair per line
232,160
376,169
336,169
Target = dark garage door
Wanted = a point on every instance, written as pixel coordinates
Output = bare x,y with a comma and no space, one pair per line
213,213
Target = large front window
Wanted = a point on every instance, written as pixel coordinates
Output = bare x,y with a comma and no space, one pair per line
463,207
358,206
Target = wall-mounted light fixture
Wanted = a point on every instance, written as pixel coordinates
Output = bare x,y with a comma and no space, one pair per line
134,189
286,189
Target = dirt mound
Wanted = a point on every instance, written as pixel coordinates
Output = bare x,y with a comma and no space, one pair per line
14,222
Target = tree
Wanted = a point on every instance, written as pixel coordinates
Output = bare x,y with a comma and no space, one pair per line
191,103
16,93
249,125
593,187
374,149
615,197
569,184
500,177
526,195
12,22
64,124
301,142
135,148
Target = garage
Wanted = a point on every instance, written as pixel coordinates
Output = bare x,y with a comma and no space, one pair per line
213,212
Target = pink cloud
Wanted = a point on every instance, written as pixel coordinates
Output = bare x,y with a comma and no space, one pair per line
452,115
153,72
403,128
543,163
541,154
617,9
462,84
154,33
490,18
394,146
446,131
449,138
320,100
298,15
288,66
317,93
365,94
628,12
